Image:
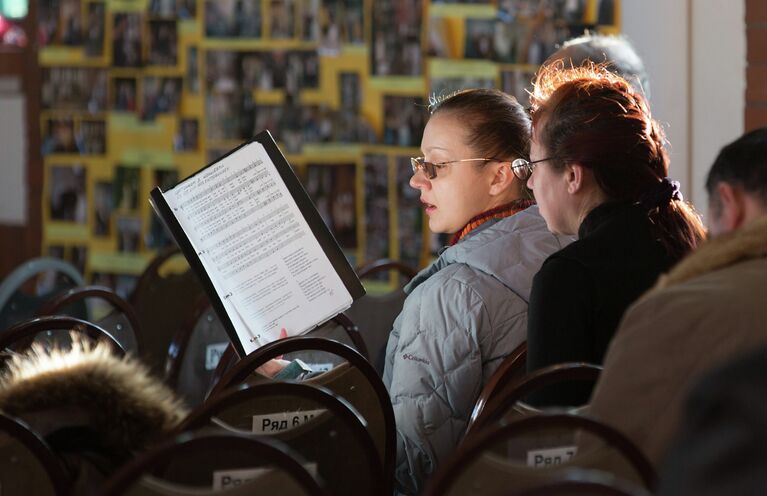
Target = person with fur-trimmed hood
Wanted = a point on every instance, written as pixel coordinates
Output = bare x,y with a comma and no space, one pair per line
707,309
94,409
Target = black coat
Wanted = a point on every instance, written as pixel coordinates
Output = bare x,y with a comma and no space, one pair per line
579,295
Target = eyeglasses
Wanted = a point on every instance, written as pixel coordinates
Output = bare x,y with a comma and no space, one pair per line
430,168
523,168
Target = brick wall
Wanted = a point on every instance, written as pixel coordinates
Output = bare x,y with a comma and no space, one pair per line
756,66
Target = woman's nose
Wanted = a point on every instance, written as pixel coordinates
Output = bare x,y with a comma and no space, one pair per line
530,180
419,180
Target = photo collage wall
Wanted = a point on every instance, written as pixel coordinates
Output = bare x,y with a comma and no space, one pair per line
140,93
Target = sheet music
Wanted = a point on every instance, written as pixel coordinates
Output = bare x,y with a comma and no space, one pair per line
258,249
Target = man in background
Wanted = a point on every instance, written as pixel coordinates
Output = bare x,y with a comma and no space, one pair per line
709,308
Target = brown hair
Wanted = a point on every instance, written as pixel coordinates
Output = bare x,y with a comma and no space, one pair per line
498,126
594,117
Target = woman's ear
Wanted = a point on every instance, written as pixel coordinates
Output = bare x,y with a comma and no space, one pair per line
503,178
576,177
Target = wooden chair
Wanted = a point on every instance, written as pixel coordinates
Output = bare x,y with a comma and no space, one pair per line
511,369
375,314
23,334
509,400
121,321
27,464
340,324
319,425
195,352
577,482
17,305
216,463
355,380
163,304
534,450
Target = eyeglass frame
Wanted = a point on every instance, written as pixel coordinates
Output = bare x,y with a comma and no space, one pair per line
523,164
416,166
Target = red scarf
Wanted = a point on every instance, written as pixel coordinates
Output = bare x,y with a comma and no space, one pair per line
494,213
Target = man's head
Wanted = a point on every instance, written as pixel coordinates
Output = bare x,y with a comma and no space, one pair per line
615,51
737,183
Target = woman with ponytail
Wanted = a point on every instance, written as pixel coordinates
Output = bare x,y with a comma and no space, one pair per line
598,169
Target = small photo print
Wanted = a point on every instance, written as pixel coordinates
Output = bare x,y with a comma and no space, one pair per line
161,95
351,92
233,18
396,39
103,198
480,39
128,234
74,88
126,185
404,120
163,43
60,137
332,189
94,31
68,199
125,94
187,138
282,19
440,39
93,135
126,40
48,22
71,23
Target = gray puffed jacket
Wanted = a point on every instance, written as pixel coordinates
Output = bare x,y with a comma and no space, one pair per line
463,315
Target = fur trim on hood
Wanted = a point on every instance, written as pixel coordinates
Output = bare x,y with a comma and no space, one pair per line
117,397
746,243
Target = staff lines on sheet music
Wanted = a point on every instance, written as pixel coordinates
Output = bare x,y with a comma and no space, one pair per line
255,239
257,256
231,194
223,222
253,259
213,187
253,225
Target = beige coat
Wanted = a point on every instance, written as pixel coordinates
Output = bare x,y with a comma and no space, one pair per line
709,308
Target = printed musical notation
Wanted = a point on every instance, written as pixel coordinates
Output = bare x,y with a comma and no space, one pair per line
256,246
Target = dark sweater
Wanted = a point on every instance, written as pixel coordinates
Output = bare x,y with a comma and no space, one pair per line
579,295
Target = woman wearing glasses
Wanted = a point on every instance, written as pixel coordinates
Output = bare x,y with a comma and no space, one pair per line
598,169
467,310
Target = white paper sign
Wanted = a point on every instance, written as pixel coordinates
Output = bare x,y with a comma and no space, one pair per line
213,354
547,457
283,421
320,367
228,479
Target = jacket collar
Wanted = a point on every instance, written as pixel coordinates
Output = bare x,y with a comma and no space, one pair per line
746,243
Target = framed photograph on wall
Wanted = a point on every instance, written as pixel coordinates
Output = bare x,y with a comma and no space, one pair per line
68,200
